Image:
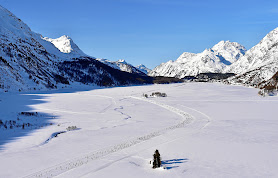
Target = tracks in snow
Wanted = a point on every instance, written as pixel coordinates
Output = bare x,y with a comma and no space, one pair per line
165,106
74,163
206,117
121,107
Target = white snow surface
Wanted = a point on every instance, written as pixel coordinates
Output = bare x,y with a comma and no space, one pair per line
215,59
200,130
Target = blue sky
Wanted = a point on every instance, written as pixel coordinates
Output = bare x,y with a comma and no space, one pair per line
148,31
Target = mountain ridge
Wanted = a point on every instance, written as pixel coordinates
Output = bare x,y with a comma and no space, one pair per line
214,59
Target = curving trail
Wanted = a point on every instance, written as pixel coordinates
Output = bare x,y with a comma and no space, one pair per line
121,108
76,162
205,116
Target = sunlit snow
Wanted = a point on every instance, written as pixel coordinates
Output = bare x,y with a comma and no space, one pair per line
200,130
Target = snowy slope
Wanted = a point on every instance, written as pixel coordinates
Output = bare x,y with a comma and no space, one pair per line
262,53
259,63
122,65
143,68
230,51
66,45
215,59
255,77
25,58
118,132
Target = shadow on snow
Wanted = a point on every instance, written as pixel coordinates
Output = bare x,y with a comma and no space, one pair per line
16,111
12,104
173,163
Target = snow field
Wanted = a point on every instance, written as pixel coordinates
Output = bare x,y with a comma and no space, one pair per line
63,167
200,129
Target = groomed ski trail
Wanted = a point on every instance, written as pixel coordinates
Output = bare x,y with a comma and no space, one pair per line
206,117
76,162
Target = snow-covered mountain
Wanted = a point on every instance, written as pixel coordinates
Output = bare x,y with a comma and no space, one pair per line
66,45
254,67
29,61
258,55
215,59
143,68
122,65
259,63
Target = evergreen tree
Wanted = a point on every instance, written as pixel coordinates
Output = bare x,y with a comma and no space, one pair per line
156,159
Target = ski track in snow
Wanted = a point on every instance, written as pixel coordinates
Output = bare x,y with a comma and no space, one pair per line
76,162
208,119
112,104
121,107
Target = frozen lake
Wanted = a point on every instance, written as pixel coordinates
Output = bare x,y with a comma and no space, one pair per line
200,130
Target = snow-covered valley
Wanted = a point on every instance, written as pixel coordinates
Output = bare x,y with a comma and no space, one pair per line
200,129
